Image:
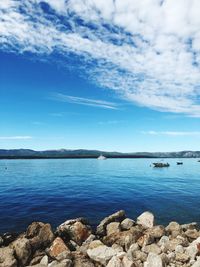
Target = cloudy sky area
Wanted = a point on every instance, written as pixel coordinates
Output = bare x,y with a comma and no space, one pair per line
69,69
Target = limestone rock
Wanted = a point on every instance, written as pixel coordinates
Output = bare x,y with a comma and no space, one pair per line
126,262
192,234
182,257
173,226
153,260
101,254
114,262
64,263
7,258
58,247
39,234
153,248
112,228
116,217
126,224
156,231
22,248
146,219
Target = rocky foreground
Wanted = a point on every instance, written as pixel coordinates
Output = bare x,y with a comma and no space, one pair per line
116,242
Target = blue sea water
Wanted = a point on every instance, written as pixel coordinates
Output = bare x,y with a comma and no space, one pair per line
58,189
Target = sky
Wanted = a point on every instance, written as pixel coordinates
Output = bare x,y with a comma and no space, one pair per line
100,74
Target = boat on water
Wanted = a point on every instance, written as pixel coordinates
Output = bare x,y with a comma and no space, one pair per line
179,163
160,164
101,157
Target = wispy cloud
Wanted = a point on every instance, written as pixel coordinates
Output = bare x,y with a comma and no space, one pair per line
84,101
15,137
147,51
173,133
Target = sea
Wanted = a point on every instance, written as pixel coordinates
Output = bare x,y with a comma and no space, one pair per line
54,190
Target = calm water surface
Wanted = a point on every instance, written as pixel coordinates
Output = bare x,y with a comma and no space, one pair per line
56,190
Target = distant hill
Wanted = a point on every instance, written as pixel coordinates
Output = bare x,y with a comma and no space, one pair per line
82,153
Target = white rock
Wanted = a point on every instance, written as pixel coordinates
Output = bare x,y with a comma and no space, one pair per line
196,264
101,254
146,219
179,249
192,249
44,260
114,262
153,260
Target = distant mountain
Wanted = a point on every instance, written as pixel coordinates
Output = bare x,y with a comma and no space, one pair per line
82,153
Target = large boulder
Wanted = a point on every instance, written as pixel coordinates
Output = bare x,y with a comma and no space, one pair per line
113,227
23,251
116,217
101,254
7,258
40,235
146,219
76,230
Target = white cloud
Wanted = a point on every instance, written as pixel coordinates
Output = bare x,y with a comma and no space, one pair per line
84,101
147,51
15,137
173,133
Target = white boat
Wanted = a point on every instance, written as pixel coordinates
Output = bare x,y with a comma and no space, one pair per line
101,157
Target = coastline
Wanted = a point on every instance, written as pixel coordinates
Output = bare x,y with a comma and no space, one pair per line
117,241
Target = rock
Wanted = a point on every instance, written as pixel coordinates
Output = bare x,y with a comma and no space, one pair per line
146,219
44,260
154,248
193,249
116,217
192,233
57,248
126,262
139,255
117,248
125,239
144,240
95,244
37,257
64,263
22,249
114,262
75,230
40,235
179,249
126,224
173,227
156,231
101,254
196,264
153,260
7,258
189,226
182,257
81,260
112,228
130,253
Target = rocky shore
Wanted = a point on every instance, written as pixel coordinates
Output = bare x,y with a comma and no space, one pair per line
116,242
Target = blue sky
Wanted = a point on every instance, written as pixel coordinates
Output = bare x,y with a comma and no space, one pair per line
85,76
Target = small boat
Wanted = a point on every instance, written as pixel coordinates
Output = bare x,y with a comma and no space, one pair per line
101,157
160,164
179,163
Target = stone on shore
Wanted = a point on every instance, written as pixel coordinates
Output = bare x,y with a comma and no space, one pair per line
40,235
146,219
153,260
75,230
101,254
127,223
22,249
7,258
116,217
58,246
